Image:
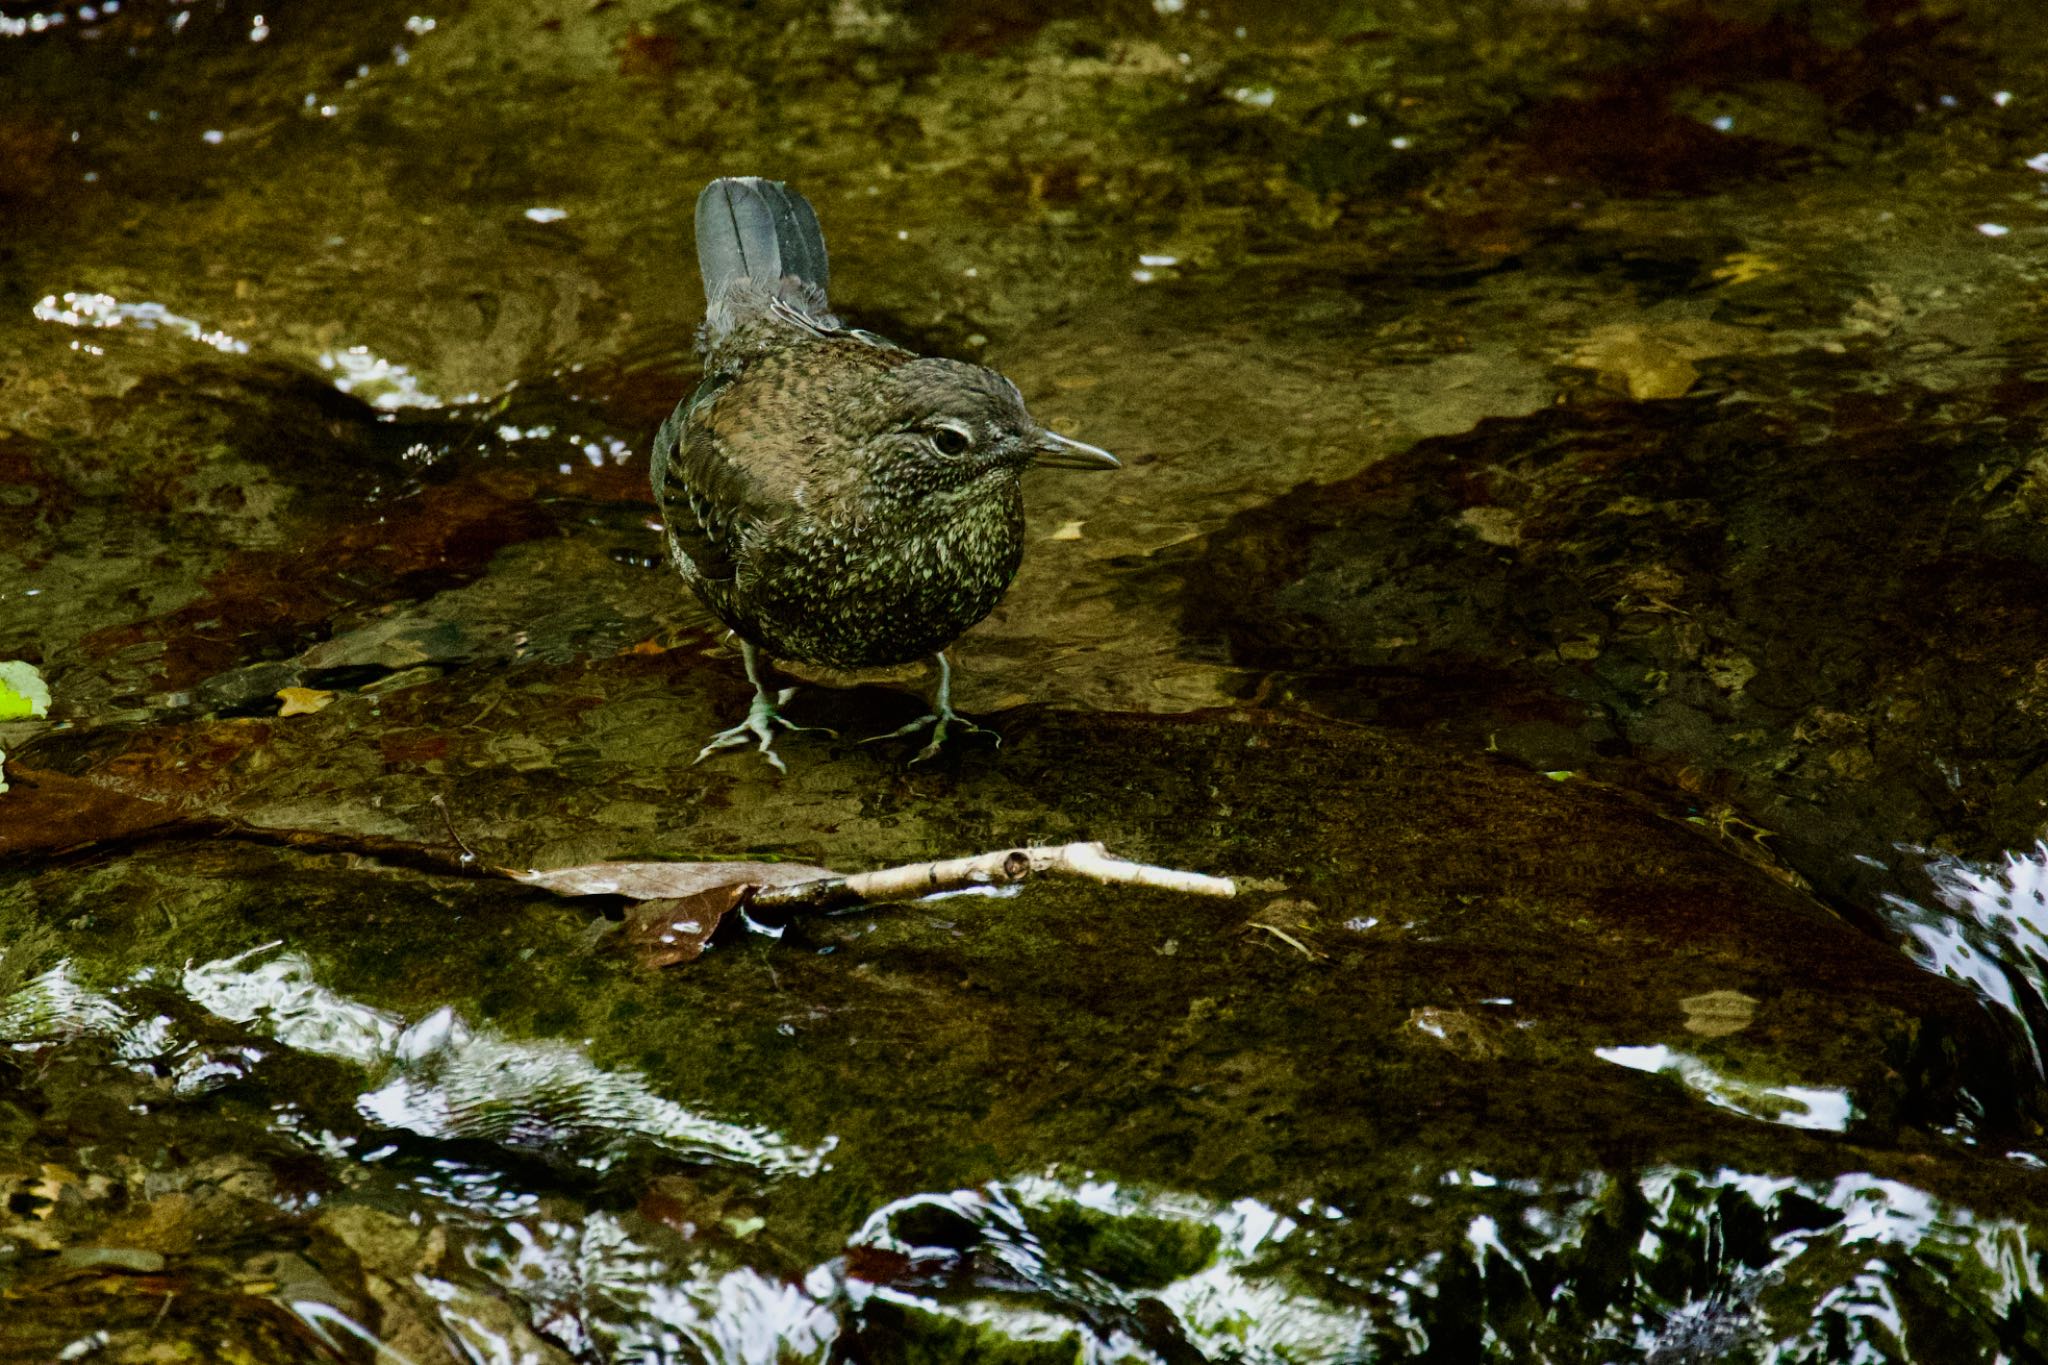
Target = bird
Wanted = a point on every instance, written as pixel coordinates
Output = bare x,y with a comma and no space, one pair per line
834,498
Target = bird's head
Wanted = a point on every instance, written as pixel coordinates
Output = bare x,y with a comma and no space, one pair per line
945,424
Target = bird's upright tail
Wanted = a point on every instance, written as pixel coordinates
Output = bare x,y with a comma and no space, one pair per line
758,242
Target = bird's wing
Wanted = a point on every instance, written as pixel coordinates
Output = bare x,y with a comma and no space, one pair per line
707,499
734,455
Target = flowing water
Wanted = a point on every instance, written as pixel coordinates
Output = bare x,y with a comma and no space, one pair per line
1581,562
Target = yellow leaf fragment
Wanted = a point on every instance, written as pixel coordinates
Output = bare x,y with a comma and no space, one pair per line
1744,266
1652,360
302,701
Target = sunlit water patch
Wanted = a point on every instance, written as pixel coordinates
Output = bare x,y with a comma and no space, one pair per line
1112,1273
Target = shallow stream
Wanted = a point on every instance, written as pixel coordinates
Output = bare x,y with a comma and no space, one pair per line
1581,563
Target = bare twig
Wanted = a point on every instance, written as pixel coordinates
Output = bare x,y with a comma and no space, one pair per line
1087,861
1277,932
468,853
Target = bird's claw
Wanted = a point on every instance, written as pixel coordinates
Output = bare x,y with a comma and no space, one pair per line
759,729
939,721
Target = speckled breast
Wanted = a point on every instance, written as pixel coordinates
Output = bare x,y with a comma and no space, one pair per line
883,591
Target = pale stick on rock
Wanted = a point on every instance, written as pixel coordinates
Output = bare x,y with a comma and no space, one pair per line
1087,861
682,904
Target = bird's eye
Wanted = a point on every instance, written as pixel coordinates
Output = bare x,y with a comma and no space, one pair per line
950,440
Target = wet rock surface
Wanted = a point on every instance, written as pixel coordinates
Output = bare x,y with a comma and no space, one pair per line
1389,1007
1577,565
1812,615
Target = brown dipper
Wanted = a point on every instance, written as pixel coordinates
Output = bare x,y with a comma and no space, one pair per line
832,497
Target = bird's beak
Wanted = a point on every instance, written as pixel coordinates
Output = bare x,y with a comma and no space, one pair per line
1064,452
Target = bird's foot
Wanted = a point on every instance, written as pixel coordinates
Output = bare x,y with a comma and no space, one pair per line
759,729
940,721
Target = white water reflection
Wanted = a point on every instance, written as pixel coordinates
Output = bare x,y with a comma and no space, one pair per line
547,1096
383,384
1992,935
1737,1264
92,310
54,1007
1675,1265
1880,1241
605,1294
282,999
1226,1306
1796,1106
443,1079
49,21
439,1077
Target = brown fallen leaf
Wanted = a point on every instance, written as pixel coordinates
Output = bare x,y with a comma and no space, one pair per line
665,881
668,930
681,904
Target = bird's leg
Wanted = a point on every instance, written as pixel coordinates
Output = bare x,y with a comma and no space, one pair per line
762,717
943,715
